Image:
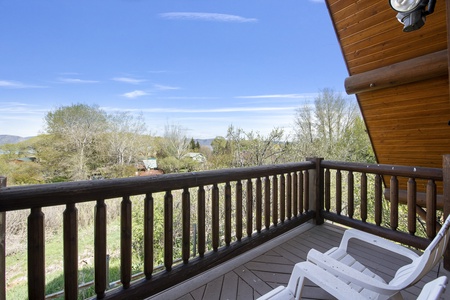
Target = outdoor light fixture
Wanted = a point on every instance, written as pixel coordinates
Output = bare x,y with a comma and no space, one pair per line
412,13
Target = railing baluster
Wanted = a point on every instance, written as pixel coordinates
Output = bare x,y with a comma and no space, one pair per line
350,194
378,199
300,192
249,207
282,198
411,204
338,192
327,190
394,203
306,188
431,209
267,202
363,197
289,196
36,254
275,200
70,217
258,209
201,221
148,235
215,217
238,210
227,213
168,231
295,194
100,248
186,223
125,242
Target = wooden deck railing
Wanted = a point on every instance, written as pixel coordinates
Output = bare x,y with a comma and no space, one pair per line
351,190
236,210
265,202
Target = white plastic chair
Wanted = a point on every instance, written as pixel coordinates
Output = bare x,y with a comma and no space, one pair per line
341,264
344,277
433,290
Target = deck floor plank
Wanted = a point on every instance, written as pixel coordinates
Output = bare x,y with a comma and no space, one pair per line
230,286
264,272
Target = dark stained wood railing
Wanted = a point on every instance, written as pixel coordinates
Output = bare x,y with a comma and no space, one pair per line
235,210
386,215
276,197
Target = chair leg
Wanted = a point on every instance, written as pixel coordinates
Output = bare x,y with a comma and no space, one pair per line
296,282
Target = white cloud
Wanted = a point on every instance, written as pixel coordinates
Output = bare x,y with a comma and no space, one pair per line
290,96
165,87
128,80
201,110
211,17
135,94
18,85
76,80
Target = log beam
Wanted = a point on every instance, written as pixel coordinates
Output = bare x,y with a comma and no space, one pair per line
417,69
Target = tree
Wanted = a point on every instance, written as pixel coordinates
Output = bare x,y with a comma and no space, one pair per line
123,138
254,149
175,142
327,129
77,128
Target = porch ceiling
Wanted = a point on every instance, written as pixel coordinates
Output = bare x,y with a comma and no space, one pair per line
407,111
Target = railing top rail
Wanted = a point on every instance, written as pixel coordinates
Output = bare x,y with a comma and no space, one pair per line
24,197
392,170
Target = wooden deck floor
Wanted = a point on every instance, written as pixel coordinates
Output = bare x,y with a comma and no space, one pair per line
266,267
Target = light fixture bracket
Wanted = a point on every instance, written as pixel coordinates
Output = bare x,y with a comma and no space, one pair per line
412,13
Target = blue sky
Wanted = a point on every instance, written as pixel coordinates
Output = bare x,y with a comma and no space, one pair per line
199,64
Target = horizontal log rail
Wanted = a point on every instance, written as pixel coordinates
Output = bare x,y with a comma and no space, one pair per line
417,69
264,202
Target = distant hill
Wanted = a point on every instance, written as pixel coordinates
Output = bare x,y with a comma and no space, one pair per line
204,142
11,139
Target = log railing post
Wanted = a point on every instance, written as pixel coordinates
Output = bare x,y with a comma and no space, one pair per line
148,235
168,231
100,248
125,242
71,252
446,185
316,183
3,181
36,254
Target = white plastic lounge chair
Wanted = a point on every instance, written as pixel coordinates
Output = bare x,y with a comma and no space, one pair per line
431,291
338,262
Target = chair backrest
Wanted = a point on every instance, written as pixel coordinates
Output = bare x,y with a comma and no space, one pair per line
412,273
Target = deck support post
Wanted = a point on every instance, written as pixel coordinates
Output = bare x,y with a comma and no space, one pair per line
446,192
316,188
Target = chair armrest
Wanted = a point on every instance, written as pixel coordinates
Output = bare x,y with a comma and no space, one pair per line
433,289
376,241
323,279
347,273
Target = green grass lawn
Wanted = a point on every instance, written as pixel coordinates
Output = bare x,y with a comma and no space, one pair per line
16,264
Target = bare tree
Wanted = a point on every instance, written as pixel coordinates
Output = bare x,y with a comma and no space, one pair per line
124,137
321,128
175,142
77,127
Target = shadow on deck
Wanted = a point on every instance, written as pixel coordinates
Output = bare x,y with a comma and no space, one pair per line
270,265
